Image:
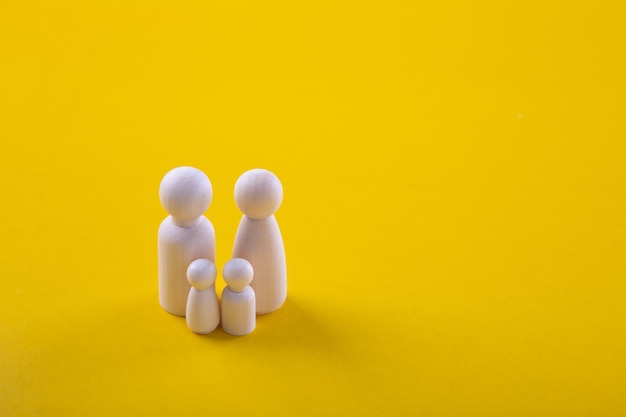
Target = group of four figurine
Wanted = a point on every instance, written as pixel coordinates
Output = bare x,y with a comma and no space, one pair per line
256,277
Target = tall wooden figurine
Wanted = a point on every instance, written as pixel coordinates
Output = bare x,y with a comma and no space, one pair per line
258,194
185,235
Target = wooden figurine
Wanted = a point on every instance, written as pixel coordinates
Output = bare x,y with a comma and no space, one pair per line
258,194
238,300
203,311
185,235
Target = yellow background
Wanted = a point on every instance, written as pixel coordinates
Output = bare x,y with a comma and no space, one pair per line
454,210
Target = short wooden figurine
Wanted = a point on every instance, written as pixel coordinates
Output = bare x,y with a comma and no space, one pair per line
258,194
185,235
238,300
203,311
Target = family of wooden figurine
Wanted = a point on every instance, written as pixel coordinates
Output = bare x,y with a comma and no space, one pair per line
256,277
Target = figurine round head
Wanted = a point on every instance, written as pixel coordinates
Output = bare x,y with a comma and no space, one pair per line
238,273
258,193
185,193
201,274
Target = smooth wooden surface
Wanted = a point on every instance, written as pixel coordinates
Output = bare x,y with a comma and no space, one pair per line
260,242
203,310
177,248
185,193
238,311
258,194
238,298
185,235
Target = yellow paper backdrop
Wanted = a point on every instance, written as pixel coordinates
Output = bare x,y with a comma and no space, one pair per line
454,208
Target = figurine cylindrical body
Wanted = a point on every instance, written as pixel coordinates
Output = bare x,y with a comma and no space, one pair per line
178,247
261,243
238,311
203,311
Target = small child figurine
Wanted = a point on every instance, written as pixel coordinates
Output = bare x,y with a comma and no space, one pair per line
238,299
203,312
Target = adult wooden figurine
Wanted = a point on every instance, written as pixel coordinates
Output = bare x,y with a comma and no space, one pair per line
258,194
185,235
